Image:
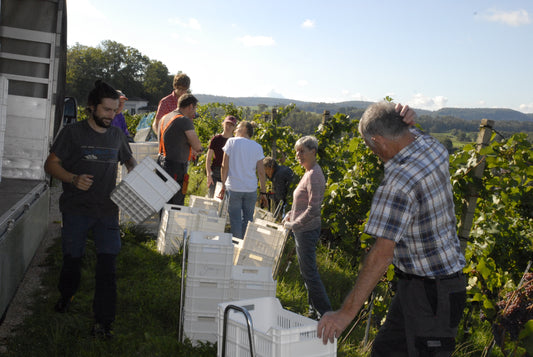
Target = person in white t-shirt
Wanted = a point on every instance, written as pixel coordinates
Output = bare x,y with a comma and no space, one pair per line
242,164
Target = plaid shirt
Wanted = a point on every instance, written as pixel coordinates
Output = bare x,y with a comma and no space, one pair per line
414,207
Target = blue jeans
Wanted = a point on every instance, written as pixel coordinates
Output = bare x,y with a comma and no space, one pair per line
306,250
241,207
106,234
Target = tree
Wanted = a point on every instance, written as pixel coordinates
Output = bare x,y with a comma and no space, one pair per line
157,83
121,66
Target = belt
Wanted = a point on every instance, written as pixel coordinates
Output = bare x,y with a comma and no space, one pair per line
406,276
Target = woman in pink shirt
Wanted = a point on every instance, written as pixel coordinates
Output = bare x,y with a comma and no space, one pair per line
305,222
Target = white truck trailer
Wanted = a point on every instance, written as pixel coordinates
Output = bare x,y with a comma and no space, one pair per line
32,82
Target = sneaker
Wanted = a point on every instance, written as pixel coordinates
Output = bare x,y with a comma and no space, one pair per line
63,304
103,331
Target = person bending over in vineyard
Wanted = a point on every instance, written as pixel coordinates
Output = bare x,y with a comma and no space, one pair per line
282,178
304,220
413,220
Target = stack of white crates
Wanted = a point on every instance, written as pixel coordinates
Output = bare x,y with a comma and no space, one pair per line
176,220
220,204
277,332
262,245
249,282
144,191
209,265
140,151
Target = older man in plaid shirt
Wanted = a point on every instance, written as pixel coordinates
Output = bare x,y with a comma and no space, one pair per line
413,220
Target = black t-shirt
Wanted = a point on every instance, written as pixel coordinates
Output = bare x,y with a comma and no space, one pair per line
85,151
175,140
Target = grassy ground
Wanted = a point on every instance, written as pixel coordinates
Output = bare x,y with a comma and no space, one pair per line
148,307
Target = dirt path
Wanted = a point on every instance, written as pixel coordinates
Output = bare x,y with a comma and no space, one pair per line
18,310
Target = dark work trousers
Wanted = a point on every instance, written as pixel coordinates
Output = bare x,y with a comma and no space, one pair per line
106,234
177,171
216,175
423,317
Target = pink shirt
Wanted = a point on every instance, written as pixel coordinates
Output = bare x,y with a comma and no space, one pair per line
307,201
166,105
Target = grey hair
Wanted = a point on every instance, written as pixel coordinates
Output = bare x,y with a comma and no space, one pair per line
309,141
381,119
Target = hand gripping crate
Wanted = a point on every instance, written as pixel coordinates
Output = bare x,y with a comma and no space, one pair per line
210,255
144,191
277,332
249,282
176,219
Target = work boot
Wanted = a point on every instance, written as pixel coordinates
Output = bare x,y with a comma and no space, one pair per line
102,331
62,305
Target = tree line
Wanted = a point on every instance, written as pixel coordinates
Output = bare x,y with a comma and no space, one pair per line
123,67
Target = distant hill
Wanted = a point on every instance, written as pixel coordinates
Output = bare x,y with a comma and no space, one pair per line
484,113
463,113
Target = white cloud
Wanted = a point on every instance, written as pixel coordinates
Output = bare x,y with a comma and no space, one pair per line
308,24
253,41
510,18
421,101
192,23
302,83
526,108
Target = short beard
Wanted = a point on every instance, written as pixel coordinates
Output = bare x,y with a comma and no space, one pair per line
100,122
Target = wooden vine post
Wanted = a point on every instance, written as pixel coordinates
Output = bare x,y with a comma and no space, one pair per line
469,208
274,148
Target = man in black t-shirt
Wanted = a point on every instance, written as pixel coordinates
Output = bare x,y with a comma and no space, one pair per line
177,141
84,156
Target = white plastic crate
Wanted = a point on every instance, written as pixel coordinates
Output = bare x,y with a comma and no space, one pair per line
140,151
204,295
176,219
262,244
200,327
277,332
144,191
260,213
249,282
247,257
204,202
210,255
211,223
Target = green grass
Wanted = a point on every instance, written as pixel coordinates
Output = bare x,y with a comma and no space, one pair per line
147,309
148,306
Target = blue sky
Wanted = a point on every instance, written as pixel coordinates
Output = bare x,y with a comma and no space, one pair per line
428,54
